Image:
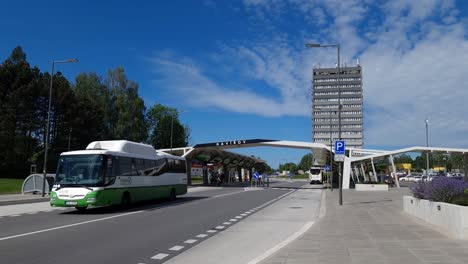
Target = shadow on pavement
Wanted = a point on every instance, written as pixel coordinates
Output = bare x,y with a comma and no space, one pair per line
150,205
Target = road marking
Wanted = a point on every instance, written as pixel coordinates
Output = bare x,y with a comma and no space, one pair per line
226,223
176,248
219,227
159,256
50,210
190,241
211,231
32,213
238,217
244,214
288,240
233,220
248,212
14,215
202,235
66,226
221,195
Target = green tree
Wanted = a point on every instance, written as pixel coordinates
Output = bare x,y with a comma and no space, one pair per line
290,166
160,119
93,103
127,110
20,87
263,167
306,162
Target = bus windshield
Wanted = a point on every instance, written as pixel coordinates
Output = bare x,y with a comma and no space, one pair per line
80,170
315,171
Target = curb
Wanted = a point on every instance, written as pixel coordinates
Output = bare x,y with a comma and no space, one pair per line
25,201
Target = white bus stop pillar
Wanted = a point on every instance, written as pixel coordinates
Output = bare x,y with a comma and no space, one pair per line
373,170
363,172
346,173
394,171
358,173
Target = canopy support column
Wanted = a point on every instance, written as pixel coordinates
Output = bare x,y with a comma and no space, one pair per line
373,170
394,171
188,165
363,172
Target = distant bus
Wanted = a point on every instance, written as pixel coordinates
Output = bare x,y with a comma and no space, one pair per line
315,175
117,172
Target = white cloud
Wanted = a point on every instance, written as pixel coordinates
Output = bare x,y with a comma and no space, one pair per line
414,56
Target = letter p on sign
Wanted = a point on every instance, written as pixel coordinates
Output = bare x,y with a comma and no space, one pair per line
340,147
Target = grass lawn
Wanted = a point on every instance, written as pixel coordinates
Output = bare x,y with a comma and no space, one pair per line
10,185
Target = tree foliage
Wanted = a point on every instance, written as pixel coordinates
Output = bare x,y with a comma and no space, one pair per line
306,162
161,121
94,108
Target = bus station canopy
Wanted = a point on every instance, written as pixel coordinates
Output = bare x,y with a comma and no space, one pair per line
214,151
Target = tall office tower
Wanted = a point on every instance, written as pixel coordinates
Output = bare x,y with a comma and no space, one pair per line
325,105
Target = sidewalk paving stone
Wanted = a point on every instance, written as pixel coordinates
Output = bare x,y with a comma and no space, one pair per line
371,227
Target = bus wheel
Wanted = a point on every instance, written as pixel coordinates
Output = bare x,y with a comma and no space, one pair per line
125,202
81,209
172,195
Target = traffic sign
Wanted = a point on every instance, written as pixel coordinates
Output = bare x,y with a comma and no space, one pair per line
340,157
327,168
340,147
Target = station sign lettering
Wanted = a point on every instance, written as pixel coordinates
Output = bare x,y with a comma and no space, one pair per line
228,143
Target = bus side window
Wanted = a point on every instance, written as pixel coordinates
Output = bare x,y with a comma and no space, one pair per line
110,170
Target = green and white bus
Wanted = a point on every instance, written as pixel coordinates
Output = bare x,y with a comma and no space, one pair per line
116,172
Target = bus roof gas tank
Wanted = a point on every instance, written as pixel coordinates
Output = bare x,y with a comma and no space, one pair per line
123,146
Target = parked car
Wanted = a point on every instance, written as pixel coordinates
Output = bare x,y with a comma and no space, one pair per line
417,178
406,178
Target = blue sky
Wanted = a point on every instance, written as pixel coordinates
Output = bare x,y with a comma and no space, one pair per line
241,70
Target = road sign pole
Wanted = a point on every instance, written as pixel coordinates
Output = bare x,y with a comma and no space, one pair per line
340,152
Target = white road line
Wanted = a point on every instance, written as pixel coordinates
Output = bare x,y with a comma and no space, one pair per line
66,226
238,217
243,214
159,256
221,195
211,231
288,240
202,235
190,241
233,220
226,223
14,215
248,212
176,248
219,227
50,210
32,213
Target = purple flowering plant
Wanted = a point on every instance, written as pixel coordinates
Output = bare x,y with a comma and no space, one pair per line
443,189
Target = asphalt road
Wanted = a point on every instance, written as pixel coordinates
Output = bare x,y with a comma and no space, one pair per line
145,233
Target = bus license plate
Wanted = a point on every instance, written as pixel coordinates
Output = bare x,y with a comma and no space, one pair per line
70,203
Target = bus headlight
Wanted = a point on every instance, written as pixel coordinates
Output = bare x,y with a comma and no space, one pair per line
91,200
52,200
54,195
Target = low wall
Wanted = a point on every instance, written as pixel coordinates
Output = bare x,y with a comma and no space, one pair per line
371,187
449,218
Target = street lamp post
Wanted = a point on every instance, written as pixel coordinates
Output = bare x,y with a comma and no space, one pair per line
427,153
340,175
46,145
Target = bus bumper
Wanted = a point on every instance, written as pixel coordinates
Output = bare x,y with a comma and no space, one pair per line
90,199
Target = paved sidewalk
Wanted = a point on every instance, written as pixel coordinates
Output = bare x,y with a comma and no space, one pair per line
371,227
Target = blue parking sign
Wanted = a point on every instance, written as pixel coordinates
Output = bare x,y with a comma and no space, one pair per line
340,147
327,168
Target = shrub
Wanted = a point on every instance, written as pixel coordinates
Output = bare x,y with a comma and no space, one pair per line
461,199
442,189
